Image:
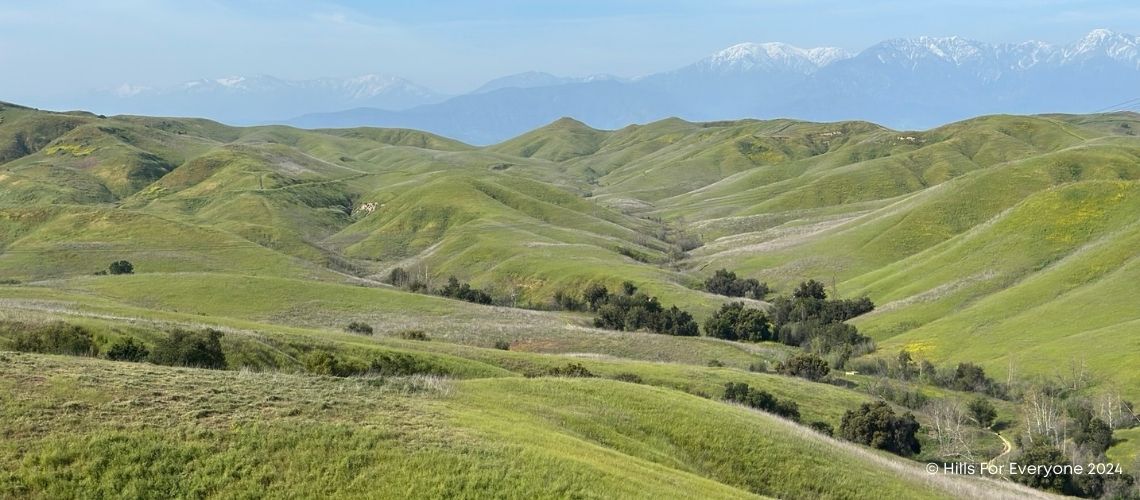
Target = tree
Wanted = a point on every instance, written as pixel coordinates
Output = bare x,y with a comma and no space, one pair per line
199,349
947,422
1095,435
725,282
1057,480
127,350
810,289
399,277
121,267
876,425
982,411
804,365
736,322
595,295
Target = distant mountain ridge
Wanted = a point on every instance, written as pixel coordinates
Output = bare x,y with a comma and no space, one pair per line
905,83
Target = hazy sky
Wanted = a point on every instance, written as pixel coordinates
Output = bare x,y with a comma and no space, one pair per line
51,49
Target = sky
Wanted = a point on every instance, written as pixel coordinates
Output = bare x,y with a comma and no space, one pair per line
52,49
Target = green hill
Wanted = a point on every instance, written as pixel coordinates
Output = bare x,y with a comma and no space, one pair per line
1005,241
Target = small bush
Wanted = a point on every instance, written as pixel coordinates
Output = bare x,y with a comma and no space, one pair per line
761,400
570,370
127,350
200,349
804,365
56,337
359,327
121,267
822,428
632,378
503,345
325,363
715,363
413,335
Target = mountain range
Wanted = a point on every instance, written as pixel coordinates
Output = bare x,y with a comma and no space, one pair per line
913,83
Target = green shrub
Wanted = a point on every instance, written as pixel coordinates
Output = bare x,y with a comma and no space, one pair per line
199,349
804,365
359,327
736,322
822,428
876,425
127,350
326,363
503,345
761,400
632,378
413,335
121,267
56,337
982,411
570,370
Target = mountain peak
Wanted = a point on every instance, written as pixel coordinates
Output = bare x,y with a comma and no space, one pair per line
749,56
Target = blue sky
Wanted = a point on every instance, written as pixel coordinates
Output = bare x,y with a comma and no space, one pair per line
50,49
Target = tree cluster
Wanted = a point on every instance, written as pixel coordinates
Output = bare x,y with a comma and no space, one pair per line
876,425
804,365
761,400
631,310
725,282
735,322
57,337
463,291
198,349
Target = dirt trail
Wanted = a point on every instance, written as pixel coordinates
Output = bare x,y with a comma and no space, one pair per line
1008,448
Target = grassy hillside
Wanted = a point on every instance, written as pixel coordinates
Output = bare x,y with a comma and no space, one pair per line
1005,241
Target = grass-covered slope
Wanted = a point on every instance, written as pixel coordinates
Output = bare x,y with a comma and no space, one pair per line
83,427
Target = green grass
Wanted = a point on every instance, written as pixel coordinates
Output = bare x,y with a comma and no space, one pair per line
165,432
1005,241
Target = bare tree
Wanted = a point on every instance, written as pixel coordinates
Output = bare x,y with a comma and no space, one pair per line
948,427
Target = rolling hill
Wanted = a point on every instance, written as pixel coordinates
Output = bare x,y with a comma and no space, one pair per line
1004,241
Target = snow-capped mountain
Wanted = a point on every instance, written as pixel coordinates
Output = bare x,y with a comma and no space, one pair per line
905,83
746,57
260,98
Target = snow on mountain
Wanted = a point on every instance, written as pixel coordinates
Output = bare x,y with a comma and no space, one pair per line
746,57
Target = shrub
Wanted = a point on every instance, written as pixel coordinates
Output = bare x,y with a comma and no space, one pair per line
804,365
503,345
822,428
1057,481
399,277
982,411
761,400
413,335
127,350
632,378
876,425
56,337
725,282
199,349
570,370
736,322
121,267
463,291
632,310
325,363
715,363
359,327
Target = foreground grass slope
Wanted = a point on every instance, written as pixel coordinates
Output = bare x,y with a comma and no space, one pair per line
166,432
